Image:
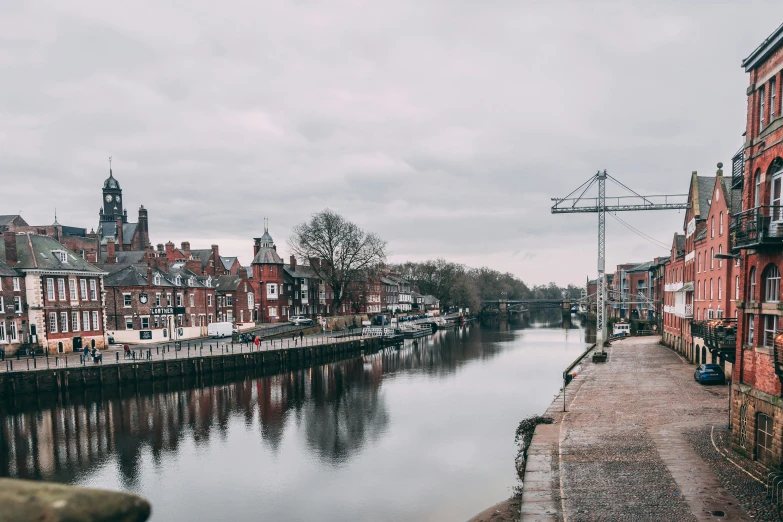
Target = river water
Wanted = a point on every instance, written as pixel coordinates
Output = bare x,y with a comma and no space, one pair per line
413,434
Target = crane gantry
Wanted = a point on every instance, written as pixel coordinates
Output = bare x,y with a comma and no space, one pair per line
632,202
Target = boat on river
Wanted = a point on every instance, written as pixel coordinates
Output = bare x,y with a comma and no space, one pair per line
414,331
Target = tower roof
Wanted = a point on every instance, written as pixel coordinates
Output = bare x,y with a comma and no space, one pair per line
110,182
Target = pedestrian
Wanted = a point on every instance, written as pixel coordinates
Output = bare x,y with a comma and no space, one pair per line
127,351
257,341
94,355
86,352
301,335
293,338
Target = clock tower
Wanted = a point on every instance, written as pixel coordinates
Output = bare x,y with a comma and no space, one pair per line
112,200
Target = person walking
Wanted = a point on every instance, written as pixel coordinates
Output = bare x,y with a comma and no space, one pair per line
86,352
301,335
293,338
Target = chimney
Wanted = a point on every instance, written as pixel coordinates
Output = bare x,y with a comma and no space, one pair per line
170,251
143,228
160,248
118,222
111,255
10,248
194,265
216,264
186,249
293,263
256,245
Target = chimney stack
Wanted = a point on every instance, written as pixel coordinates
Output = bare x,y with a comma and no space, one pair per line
170,251
111,254
10,248
118,222
143,228
256,245
293,262
149,274
186,249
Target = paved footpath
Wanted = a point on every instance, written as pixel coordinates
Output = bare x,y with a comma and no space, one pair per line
620,452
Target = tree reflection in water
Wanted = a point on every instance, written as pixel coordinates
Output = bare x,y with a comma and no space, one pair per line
340,407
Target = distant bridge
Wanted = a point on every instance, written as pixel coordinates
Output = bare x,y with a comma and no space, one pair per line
515,305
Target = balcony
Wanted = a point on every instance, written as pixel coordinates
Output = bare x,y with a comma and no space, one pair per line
719,335
738,169
758,227
684,311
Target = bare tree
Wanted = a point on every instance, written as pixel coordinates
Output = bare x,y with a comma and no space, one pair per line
340,253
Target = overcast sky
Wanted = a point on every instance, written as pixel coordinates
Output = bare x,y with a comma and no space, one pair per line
444,126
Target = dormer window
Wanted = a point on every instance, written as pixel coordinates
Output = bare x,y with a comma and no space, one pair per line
61,255
191,281
209,282
156,280
178,281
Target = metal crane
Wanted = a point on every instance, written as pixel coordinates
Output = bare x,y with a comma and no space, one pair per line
580,204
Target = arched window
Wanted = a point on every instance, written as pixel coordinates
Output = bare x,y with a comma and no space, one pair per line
736,287
720,224
698,290
712,258
752,293
771,279
720,261
712,227
698,263
757,192
720,289
711,288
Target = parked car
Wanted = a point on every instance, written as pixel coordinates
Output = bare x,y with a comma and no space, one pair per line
709,373
301,320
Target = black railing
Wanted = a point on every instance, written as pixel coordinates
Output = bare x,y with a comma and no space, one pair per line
758,226
720,336
738,169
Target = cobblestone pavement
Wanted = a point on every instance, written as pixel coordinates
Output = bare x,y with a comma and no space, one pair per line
621,452
712,445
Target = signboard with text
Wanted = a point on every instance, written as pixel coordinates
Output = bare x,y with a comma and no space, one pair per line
145,335
167,310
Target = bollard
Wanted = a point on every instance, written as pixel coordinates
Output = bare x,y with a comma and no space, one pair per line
66,361
34,363
80,358
28,364
12,365
157,350
210,349
117,355
188,349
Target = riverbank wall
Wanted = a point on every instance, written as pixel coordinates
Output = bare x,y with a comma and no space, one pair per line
131,374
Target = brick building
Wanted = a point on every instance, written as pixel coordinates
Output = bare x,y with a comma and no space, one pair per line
14,333
64,293
236,299
675,310
113,220
267,267
757,230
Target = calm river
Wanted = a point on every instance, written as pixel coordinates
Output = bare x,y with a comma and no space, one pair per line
415,434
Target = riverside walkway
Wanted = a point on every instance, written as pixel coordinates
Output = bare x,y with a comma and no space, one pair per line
622,451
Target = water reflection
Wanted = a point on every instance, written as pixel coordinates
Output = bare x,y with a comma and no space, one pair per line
337,404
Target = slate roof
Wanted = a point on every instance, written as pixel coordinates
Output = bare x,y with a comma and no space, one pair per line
7,271
226,283
267,256
6,220
680,242
301,271
35,252
130,275
111,182
126,257
705,185
228,262
108,229
430,300
178,269
641,267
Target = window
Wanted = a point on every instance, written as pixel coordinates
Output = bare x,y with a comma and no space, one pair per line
752,292
757,192
145,323
720,224
209,319
168,299
192,301
157,299
126,300
50,289
770,329
52,322
764,426
209,299
156,280
271,291
772,96
128,322
712,258
85,321
63,321
179,299
95,324
75,321
699,291
720,261
736,287
272,311
18,304
771,278
179,320
72,290
93,290
60,255
14,335
698,263
193,319
155,321
178,281
712,227
2,305
720,289
16,284
229,300
251,301
711,288
83,284
751,324
2,331
719,313
761,109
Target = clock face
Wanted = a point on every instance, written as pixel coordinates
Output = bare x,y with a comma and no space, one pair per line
108,198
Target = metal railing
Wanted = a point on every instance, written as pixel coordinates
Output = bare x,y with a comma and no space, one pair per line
758,226
719,335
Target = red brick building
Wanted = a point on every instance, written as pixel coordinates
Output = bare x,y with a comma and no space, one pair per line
267,267
675,310
14,333
758,236
236,299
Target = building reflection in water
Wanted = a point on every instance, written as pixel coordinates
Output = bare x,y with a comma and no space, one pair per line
339,406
